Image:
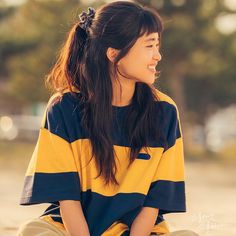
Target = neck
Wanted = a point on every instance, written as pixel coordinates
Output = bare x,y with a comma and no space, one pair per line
123,90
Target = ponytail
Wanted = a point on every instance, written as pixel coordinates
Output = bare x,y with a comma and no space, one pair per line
66,69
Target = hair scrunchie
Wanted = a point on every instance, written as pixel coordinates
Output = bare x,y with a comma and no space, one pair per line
86,18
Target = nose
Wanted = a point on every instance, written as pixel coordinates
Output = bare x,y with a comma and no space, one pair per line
157,55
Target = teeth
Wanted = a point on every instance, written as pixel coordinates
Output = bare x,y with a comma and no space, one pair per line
151,67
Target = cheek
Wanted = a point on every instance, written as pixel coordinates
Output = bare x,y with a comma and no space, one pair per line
143,59
127,65
135,63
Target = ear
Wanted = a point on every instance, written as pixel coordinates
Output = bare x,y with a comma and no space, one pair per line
112,53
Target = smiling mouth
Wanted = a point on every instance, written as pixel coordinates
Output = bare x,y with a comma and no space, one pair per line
152,68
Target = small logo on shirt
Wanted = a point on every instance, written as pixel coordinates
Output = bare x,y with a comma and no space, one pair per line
143,156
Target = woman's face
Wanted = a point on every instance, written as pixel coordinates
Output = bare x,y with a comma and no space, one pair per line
140,62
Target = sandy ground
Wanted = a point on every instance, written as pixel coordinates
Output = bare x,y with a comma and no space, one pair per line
210,192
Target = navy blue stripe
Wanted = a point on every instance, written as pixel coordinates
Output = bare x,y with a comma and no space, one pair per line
53,209
102,211
110,208
64,119
143,156
167,196
128,218
171,127
160,218
47,187
126,233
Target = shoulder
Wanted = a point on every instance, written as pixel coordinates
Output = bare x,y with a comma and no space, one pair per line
170,109
65,100
171,115
166,101
163,97
60,106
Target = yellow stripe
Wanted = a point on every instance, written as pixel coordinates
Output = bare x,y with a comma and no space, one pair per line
171,166
52,154
117,228
130,182
49,219
161,228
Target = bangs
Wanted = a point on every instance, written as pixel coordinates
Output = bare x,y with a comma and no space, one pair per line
150,22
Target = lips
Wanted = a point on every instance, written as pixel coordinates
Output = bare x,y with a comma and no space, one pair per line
152,67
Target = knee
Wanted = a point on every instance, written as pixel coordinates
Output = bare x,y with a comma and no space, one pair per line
186,233
191,233
24,228
33,227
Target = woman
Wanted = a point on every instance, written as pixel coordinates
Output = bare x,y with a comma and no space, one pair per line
109,157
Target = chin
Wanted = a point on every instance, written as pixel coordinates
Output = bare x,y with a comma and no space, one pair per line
147,79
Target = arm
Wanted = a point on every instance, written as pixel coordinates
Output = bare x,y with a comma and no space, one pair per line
144,222
73,218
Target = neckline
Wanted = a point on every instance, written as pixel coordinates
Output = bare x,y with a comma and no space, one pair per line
121,107
113,106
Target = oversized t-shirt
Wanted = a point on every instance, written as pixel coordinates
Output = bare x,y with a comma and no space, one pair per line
60,170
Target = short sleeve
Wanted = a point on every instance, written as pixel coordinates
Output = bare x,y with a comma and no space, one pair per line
52,174
167,190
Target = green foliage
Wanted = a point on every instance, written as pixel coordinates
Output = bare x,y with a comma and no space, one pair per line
30,44
197,67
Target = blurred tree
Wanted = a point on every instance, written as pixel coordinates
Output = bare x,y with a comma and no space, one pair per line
5,13
197,65
33,36
196,55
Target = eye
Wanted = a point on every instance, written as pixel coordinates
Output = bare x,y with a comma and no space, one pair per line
150,46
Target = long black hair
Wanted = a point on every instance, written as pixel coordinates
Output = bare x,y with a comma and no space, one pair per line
83,64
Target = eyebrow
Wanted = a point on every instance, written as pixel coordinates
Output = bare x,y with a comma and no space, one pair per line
151,39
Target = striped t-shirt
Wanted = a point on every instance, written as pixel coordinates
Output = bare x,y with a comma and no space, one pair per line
59,170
